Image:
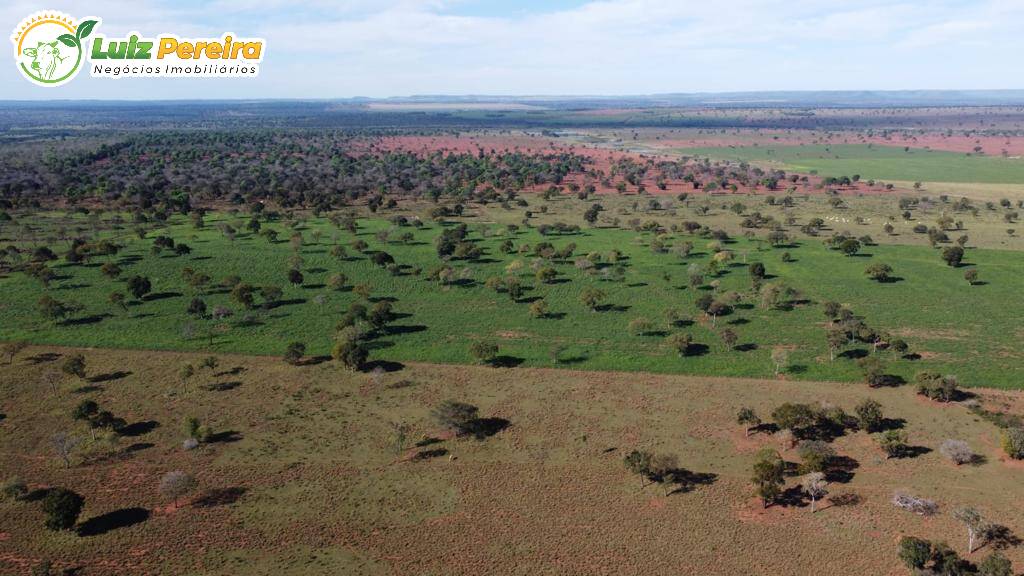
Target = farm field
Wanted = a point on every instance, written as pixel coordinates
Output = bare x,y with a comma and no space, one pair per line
304,473
877,162
951,326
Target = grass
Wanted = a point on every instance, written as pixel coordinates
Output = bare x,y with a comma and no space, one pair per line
966,330
877,162
320,487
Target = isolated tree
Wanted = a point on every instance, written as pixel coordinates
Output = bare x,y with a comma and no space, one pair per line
458,417
971,275
850,246
244,294
639,462
176,484
749,419
957,451
294,352
337,281
873,369
484,352
640,326
539,309
592,298
816,486
815,455
893,443
729,337
350,350
679,342
665,470
973,521
794,417
869,415
879,272
185,373
769,475
995,564
139,286
1012,442
953,255
836,339
915,552
780,358
64,446
74,365
62,508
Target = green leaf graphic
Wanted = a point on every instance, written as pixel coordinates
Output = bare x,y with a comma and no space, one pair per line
68,40
85,28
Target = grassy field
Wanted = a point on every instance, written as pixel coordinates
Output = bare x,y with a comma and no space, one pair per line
970,331
877,162
306,476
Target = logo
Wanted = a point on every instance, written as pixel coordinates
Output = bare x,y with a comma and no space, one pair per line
50,48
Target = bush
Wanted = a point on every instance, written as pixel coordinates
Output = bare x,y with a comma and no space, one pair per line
869,415
456,416
62,508
937,387
995,565
915,504
1013,443
484,352
915,552
15,488
957,451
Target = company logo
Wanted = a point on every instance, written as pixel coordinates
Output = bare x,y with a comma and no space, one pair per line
50,48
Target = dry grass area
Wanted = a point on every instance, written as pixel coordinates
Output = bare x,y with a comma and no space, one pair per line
305,476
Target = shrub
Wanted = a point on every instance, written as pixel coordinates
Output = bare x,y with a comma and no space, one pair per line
915,504
484,352
957,451
15,488
915,552
456,416
869,415
1013,443
62,507
937,387
893,442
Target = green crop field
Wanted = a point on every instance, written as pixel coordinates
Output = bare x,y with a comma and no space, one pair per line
877,162
951,326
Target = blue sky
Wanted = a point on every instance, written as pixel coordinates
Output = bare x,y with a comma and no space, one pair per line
329,48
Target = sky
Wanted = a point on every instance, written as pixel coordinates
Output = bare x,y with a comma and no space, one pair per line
381,48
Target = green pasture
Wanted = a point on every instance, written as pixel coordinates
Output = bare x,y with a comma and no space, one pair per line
971,331
877,162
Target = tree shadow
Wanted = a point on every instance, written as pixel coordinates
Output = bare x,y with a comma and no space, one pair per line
219,497
481,428
696,349
110,376
612,308
792,497
138,447
405,329
505,361
44,357
429,454
139,428
749,347
85,320
226,437
232,372
160,296
384,365
223,386
855,354
104,523
313,360
844,500
840,469
687,481
1000,537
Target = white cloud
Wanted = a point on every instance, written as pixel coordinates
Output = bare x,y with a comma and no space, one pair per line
398,47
